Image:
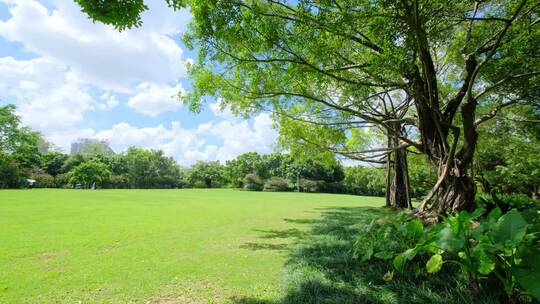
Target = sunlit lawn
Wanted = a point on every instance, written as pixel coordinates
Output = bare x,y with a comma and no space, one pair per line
157,246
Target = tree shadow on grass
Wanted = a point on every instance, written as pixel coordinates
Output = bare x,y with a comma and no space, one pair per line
321,267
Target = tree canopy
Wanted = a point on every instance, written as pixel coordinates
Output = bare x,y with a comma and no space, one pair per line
427,73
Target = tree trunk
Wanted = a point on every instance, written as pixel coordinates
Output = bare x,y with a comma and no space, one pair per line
397,178
456,194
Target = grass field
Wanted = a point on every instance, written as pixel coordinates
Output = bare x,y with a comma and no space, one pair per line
156,246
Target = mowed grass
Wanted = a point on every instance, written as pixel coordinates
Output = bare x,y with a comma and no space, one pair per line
156,246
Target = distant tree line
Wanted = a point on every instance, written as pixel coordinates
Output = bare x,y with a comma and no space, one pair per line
23,155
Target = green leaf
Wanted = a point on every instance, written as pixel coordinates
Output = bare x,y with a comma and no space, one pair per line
399,262
485,264
434,264
367,253
384,255
510,227
528,272
447,241
400,259
415,228
494,215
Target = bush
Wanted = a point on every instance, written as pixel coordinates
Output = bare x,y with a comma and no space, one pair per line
252,182
333,187
277,184
43,180
118,182
494,251
11,176
504,201
308,185
61,180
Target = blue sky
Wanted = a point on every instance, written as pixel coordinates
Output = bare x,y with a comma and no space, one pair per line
71,78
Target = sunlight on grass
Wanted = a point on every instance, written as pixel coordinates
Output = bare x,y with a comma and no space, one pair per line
114,246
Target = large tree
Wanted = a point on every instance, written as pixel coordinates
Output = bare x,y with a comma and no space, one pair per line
346,58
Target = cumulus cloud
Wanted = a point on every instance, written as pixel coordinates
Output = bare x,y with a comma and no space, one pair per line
241,136
190,145
156,99
50,98
99,54
81,67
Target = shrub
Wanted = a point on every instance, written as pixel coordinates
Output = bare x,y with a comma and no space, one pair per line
332,187
502,248
308,185
118,182
252,182
43,180
90,173
277,184
504,201
61,180
494,250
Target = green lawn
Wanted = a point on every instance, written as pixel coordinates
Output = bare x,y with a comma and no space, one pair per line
157,246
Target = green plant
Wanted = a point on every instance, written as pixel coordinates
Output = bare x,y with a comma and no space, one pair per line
252,182
500,248
386,237
43,180
505,202
308,185
277,184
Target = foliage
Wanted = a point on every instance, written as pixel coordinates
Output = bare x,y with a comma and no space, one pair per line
252,182
386,236
422,176
237,168
72,161
506,160
309,185
43,180
150,169
208,173
52,162
19,142
500,248
62,180
504,202
10,173
277,184
118,182
90,173
362,180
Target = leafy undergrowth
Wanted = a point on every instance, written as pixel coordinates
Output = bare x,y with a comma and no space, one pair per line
322,268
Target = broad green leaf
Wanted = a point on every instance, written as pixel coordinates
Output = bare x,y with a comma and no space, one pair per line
384,255
528,272
400,259
434,264
477,213
494,215
448,241
510,227
415,228
399,262
485,264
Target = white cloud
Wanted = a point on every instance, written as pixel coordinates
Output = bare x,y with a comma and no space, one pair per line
239,136
189,145
156,99
109,101
83,67
98,53
50,98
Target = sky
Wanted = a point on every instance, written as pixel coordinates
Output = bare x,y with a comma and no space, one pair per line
71,78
